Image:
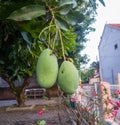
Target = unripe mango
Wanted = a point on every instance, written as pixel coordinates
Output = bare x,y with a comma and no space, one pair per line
47,69
68,77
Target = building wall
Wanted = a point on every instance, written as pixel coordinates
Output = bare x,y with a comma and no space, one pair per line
109,54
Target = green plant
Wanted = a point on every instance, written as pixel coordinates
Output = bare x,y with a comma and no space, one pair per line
41,122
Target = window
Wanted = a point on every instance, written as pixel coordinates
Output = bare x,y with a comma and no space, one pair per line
115,46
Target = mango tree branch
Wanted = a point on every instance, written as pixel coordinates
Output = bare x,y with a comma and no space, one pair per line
62,45
10,82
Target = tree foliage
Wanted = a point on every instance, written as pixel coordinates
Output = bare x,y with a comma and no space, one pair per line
28,27
87,73
41,24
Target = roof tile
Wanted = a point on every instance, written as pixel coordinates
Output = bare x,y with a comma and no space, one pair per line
114,25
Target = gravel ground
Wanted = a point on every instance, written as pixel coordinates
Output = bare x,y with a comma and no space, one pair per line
54,114
31,117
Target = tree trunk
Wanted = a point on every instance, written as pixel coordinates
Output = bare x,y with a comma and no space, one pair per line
20,93
21,101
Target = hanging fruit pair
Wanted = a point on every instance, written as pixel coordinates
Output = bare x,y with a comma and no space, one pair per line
47,72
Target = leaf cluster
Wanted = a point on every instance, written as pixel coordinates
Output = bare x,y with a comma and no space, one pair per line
28,27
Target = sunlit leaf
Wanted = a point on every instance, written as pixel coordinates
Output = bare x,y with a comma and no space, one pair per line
27,13
64,10
68,2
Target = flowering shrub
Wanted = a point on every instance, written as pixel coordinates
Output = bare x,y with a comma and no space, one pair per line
115,104
116,94
88,109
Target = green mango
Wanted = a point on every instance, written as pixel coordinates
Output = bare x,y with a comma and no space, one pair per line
47,69
68,78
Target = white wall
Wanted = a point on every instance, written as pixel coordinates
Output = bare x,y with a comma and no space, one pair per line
108,55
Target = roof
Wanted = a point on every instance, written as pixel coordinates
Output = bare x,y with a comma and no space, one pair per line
114,25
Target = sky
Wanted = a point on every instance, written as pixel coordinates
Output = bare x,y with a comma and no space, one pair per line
108,14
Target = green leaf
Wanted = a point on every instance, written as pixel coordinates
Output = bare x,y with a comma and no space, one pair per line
71,20
19,77
74,18
2,62
65,9
42,122
68,2
27,13
62,24
32,27
102,2
25,37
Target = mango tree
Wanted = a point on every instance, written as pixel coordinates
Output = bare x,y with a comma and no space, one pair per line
28,27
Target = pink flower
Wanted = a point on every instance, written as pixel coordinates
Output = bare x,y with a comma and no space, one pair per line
72,99
94,93
115,113
116,108
111,102
117,92
118,104
111,116
40,112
